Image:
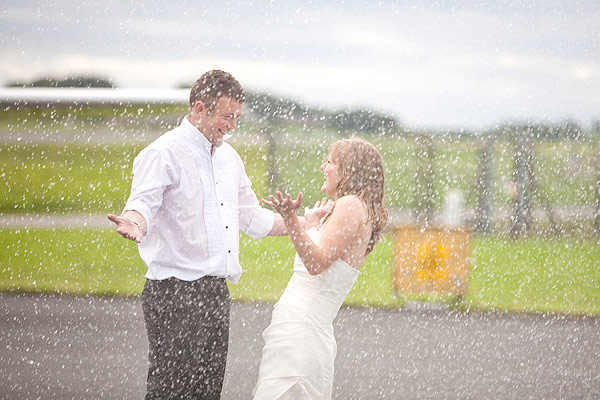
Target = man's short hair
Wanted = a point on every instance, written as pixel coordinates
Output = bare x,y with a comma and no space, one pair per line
212,85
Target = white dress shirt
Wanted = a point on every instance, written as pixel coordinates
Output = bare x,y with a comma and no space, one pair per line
194,205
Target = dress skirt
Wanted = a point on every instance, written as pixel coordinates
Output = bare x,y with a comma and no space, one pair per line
298,357
299,353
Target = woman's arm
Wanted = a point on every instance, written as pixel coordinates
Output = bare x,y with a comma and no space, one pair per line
340,232
279,228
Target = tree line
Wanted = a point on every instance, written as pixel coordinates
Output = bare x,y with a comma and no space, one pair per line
71,82
268,109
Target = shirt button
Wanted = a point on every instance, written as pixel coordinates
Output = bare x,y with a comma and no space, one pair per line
221,203
229,251
226,227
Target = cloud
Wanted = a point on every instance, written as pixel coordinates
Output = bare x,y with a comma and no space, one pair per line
445,64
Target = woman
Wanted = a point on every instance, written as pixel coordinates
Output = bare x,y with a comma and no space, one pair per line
299,352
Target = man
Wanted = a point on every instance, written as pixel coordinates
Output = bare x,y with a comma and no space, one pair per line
190,196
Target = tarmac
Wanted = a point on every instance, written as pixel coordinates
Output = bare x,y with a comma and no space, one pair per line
66,347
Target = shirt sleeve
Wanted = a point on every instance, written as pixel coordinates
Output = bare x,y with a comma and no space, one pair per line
153,173
254,220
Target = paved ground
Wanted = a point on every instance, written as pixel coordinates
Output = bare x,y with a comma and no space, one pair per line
55,347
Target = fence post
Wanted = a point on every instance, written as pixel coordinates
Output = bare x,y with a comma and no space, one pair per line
273,182
521,217
483,217
597,218
424,181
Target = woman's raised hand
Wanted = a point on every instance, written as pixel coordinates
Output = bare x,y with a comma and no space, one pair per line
313,216
285,206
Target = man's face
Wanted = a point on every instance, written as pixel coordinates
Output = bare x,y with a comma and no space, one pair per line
223,119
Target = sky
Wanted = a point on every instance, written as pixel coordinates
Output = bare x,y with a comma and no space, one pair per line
430,64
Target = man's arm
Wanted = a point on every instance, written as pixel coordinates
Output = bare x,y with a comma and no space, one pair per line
153,171
131,225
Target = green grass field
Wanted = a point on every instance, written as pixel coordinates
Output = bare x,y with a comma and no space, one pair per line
62,120
533,275
71,176
75,178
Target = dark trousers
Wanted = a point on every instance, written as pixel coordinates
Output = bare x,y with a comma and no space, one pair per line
188,333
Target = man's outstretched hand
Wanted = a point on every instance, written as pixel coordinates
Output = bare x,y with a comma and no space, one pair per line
127,228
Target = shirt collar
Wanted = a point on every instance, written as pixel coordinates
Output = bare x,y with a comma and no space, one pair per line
196,137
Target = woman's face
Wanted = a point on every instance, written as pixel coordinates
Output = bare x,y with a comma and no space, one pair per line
332,174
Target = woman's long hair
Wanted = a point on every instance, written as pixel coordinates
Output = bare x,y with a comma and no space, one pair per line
361,167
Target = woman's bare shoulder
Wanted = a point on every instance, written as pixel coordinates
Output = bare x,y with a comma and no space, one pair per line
351,205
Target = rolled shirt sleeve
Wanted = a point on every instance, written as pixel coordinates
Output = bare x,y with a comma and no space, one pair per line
153,173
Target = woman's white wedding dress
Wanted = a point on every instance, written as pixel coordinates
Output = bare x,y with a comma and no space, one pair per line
299,352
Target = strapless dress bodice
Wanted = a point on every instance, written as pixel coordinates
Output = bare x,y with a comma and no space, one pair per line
320,295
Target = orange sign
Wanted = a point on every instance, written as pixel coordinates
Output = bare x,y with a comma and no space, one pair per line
432,260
